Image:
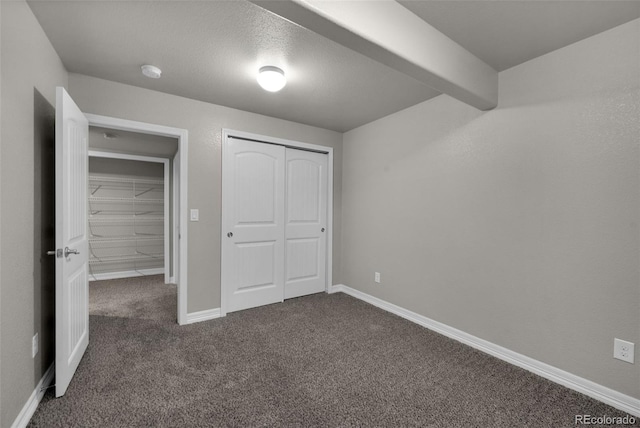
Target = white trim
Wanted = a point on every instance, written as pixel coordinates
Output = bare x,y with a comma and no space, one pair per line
125,156
165,169
23,418
183,148
206,315
602,393
175,163
125,274
226,133
329,261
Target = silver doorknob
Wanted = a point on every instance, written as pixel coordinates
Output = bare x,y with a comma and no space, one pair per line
230,234
322,230
68,251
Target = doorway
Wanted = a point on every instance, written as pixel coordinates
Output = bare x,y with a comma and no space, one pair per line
276,220
130,244
71,204
159,248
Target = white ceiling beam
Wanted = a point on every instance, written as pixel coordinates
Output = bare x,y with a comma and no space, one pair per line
389,33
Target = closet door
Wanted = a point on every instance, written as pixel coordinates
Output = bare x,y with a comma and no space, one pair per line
306,223
253,224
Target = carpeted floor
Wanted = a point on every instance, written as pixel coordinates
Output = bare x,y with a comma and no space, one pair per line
317,361
145,297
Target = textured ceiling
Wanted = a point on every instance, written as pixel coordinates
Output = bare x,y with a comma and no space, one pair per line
507,33
132,143
211,50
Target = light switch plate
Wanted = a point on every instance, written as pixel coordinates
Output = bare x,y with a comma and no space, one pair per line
195,214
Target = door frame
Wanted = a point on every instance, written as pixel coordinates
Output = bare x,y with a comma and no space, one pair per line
182,136
169,265
257,138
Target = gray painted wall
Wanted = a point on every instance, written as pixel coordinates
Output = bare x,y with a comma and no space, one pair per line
518,225
204,123
125,168
30,72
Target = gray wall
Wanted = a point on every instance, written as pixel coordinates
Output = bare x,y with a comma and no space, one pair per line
518,225
204,123
30,72
125,168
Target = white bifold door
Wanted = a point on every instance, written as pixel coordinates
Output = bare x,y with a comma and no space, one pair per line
274,223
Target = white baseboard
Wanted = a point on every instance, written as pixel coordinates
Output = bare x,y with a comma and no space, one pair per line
125,274
36,396
609,396
206,315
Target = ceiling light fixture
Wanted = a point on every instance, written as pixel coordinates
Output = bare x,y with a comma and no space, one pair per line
271,78
151,71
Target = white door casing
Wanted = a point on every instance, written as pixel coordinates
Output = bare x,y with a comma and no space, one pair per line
176,215
305,223
252,224
182,217
72,293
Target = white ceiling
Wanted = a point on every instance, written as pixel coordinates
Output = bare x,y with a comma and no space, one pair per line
132,143
507,33
211,50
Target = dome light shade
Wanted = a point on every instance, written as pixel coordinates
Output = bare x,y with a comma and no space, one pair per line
271,78
151,71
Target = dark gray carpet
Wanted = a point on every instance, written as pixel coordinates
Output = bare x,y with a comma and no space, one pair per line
321,361
145,297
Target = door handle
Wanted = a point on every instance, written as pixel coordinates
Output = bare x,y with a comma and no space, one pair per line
230,235
68,251
322,230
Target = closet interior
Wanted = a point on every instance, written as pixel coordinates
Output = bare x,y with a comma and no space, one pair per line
126,218
130,204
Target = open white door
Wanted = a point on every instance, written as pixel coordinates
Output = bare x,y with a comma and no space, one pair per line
72,258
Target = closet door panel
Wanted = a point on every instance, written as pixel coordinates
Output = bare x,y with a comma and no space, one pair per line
306,218
253,224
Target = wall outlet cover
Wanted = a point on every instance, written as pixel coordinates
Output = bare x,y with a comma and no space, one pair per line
623,350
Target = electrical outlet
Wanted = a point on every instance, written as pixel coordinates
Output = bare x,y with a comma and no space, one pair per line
623,350
34,345
376,277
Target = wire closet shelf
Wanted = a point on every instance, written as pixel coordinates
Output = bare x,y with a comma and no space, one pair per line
126,225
